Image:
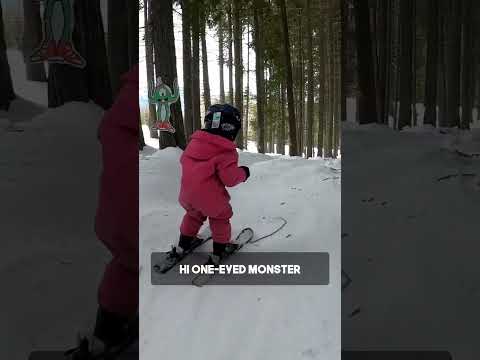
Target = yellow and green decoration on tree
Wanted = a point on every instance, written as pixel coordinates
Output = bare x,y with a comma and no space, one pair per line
163,96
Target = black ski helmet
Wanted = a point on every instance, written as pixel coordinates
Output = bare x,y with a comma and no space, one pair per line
224,120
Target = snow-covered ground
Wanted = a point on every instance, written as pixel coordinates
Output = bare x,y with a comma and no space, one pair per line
35,91
31,96
50,259
244,322
410,241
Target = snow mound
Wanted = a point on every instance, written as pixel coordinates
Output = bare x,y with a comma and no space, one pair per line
65,133
148,140
146,152
35,91
21,110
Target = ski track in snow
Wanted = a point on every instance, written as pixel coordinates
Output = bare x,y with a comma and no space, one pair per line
244,322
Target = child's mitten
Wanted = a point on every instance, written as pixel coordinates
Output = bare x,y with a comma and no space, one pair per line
247,171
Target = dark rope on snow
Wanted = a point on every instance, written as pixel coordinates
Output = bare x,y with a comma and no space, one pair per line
455,175
284,222
464,154
331,178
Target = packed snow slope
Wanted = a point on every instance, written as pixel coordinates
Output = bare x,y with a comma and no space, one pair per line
410,227
245,322
50,259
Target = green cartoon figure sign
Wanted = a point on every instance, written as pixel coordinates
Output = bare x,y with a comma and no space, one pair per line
163,97
59,51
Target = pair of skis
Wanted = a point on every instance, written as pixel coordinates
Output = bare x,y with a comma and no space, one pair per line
171,259
246,236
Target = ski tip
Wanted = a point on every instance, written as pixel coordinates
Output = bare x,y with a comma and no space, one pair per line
159,270
248,229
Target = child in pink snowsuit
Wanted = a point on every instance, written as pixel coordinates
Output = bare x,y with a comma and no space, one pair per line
209,165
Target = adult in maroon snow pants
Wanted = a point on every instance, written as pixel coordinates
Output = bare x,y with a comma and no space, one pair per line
116,222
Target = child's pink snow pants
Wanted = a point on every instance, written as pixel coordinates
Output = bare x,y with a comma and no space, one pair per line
219,225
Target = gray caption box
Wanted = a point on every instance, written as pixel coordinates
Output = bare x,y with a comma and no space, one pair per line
314,269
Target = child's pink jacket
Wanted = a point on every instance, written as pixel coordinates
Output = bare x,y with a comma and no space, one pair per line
209,164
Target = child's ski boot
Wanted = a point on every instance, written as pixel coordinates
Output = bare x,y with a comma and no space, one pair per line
113,336
186,244
220,250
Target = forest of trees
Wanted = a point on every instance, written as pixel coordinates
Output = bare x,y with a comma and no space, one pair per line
6,86
297,66
408,52
110,51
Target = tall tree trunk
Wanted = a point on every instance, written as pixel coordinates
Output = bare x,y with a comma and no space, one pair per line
395,60
337,54
281,132
141,138
272,136
6,86
187,68
66,83
330,91
453,63
230,55
196,66
117,33
288,65
32,36
476,65
367,112
406,96
442,65
344,49
247,92
221,61
414,64
237,40
164,47
133,11
259,68
301,87
310,90
206,81
382,62
278,117
430,115
467,73
152,113
375,36
268,106
322,90
272,108
388,61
